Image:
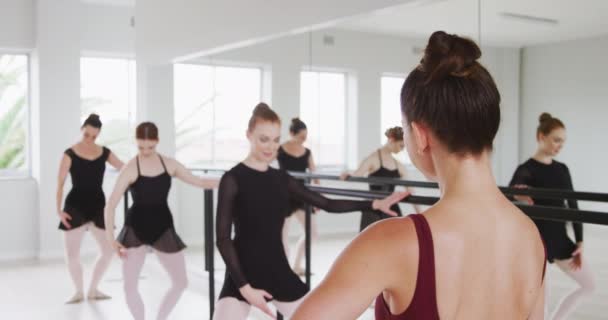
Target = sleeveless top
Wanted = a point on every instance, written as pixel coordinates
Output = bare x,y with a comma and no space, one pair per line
369,217
383,172
288,162
149,220
86,201
424,301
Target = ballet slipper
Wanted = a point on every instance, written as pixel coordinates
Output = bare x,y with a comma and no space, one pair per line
98,295
77,298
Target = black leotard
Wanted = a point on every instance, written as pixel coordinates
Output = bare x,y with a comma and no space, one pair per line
370,216
299,164
555,176
149,220
256,203
85,201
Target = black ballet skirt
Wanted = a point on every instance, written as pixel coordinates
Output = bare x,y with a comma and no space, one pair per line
369,217
86,201
288,162
556,175
149,220
256,203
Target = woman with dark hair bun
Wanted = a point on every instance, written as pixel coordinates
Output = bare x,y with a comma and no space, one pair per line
382,164
293,156
83,208
543,171
473,255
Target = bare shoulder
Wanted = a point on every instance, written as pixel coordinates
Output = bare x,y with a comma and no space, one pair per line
394,244
132,163
524,234
522,222
168,160
372,161
393,227
129,170
396,236
171,163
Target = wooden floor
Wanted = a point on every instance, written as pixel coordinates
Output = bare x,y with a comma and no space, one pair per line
37,290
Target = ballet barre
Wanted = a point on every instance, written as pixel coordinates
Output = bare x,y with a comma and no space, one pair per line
534,211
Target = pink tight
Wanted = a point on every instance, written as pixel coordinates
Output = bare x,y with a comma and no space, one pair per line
234,309
586,287
72,242
173,263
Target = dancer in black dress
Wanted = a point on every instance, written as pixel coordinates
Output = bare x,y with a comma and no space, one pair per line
293,156
149,223
83,207
255,198
543,171
380,164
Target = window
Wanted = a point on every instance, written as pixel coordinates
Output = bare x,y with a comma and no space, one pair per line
390,109
212,108
13,115
323,109
108,88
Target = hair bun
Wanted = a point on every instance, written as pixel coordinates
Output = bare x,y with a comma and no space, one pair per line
92,120
395,133
297,125
449,55
261,107
545,116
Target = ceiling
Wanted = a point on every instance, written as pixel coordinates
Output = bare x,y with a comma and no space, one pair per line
119,3
564,20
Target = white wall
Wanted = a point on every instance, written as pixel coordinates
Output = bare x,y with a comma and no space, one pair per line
365,58
55,103
19,208
56,34
167,30
16,24
107,30
570,81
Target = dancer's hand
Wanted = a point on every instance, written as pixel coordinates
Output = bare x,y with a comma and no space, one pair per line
577,257
526,199
64,216
344,176
385,204
257,298
121,251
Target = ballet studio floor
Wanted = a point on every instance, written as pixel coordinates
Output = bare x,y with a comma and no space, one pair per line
35,290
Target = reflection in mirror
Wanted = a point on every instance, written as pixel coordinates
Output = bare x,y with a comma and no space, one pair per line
344,82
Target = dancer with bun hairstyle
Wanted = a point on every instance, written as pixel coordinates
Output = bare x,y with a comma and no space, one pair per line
382,164
83,207
293,156
473,255
255,198
149,222
543,171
